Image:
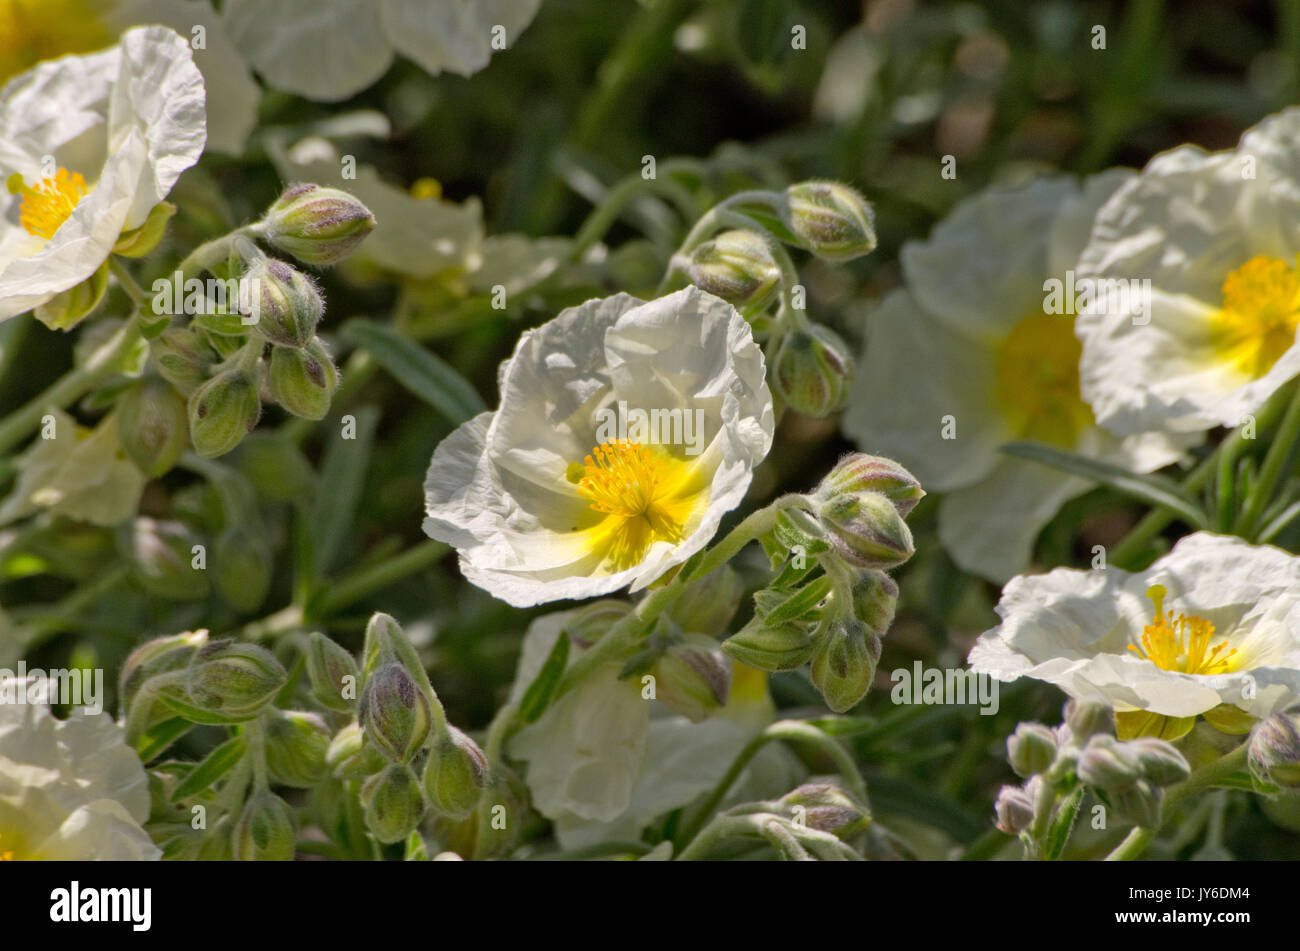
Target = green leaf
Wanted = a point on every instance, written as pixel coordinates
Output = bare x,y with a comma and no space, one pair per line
801,602
1241,779
539,692
417,369
1152,489
215,765
157,738
198,715
1058,833
341,481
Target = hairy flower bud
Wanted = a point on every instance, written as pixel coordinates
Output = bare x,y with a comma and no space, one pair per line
858,472
771,647
825,807
303,380
1109,765
1274,751
1088,718
866,529
1140,804
693,677
395,712
241,568
223,411
161,558
737,266
333,673
1162,764
455,774
233,681
844,663
830,219
296,744
350,757
318,226
875,597
182,358
1031,749
158,656
264,832
283,302
393,803
708,605
1014,808
812,370
152,426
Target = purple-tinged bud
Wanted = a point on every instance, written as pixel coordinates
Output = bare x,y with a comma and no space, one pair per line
875,597
152,425
812,370
303,380
1109,765
393,803
1031,749
1088,718
395,713
318,226
693,677
859,472
866,530
830,219
737,266
844,663
771,647
455,774
1162,764
333,673
1014,809
232,680
1274,751
223,411
283,302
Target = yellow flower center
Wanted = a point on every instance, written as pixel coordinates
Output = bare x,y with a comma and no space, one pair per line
46,206
1181,644
1261,310
642,492
1037,380
6,855
33,30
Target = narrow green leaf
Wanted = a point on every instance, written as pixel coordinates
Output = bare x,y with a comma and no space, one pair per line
801,602
1152,489
342,478
157,738
215,765
1058,833
538,695
420,371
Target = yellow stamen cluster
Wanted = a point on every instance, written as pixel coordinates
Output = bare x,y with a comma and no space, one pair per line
1037,380
1261,311
1181,644
47,206
6,856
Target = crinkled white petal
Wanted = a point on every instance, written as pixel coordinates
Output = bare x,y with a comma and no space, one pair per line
453,35
496,489
1072,628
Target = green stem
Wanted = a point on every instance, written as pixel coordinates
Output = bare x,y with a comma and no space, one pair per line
1275,460
367,581
618,198
1137,841
139,297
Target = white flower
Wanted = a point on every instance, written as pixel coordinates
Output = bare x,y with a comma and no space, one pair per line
88,146
966,358
69,789
330,49
1215,234
1216,621
549,498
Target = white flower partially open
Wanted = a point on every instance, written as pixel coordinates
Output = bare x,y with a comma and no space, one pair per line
967,358
88,146
1216,621
626,431
330,49
69,789
1215,234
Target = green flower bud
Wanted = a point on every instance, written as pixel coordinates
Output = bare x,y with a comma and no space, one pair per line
318,226
223,411
771,647
161,558
693,677
395,713
233,681
1109,765
1031,749
825,807
217,846
875,597
1274,751
158,656
812,370
265,831
1162,764
350,757
708,605
393,803
1140,804
831,220
589,623
241,568
1063,773
857,472
1088,718
1014,808
866,530
797,529
303,381
140,241
333,673
152,426
737,266
282,301
182,358
296,744
455,774
844,663
68,308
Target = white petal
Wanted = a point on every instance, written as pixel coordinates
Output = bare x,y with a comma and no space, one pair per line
453,35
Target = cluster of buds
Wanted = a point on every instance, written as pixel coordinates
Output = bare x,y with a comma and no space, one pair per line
853,528
817,821
1083,753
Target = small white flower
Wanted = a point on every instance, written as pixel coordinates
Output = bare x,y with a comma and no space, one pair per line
545,501
330,49
1216,621
88,146
69,789
1215,234
966,358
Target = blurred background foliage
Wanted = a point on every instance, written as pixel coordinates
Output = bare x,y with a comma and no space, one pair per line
881,93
